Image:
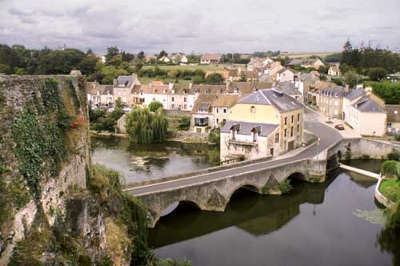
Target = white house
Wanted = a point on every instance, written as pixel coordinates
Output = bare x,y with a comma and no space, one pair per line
285,75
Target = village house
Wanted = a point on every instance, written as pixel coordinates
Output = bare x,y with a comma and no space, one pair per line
221,107
349,99
330,101
202,117
99,96
263,124
208,59
273,69
367,116
334,70
312,63
291,89
315,89
393,118
124,88
165,59
284,75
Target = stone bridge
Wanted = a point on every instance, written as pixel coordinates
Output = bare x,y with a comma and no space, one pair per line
214,194
211,189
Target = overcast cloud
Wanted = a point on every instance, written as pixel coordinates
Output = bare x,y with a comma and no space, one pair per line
200,25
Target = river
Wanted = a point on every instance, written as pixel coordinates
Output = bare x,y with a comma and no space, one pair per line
140,162
315,224
334,223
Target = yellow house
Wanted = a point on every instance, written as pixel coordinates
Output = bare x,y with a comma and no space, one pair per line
262,124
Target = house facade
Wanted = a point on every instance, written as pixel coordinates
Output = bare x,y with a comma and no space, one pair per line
208,59
124,89
367,117
393,118
330,101
263,124
285,75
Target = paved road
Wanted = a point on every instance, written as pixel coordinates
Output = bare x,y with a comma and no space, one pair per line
327,135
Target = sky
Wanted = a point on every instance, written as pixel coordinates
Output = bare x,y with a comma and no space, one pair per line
217,26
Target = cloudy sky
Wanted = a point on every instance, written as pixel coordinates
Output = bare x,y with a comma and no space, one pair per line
200,25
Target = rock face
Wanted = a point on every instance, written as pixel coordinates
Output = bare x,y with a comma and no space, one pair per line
44,172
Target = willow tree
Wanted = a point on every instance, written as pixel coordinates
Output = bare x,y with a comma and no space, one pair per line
145,127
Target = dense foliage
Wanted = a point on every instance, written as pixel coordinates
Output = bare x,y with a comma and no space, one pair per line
388,91
101,120
391,169
174,74
20,60
39,134
155,105
145,127
375,63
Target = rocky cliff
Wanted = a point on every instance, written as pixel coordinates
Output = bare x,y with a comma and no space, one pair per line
55,208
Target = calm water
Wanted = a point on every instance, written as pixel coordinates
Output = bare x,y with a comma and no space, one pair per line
148,161
314,225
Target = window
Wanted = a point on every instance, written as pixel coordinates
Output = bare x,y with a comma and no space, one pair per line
292,118
184,99
277,138
217,120
172,106
252,109
216,110
298,128
285,123
291,131
298,117
285,134
173,99
184,106
225,110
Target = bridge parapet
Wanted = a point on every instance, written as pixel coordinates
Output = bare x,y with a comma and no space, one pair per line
214,195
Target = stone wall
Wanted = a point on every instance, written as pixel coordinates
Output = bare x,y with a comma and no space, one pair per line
361,148
215,195
45,200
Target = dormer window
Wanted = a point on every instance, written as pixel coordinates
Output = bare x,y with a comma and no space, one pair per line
253,109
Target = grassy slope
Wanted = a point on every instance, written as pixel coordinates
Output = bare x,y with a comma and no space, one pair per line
390,188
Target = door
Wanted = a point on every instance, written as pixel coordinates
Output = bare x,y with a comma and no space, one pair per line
291,145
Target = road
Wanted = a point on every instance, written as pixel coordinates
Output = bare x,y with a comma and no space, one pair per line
327,135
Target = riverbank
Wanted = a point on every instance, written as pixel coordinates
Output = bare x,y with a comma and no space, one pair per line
387,192
178,137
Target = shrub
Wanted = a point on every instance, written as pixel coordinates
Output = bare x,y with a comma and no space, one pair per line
394,156
155,105
285,187
390,169
214,136
184,123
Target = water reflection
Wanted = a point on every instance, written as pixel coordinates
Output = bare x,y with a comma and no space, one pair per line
313,225
139,162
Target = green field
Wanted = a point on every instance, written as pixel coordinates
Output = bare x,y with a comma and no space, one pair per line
190,67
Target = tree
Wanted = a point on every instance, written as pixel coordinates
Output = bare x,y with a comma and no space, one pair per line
140,55
214,78
391,169
161,54
111,52
145,127
377,73
88,64
351,78
155,105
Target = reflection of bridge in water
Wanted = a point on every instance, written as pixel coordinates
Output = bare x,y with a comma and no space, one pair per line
211,189
256,215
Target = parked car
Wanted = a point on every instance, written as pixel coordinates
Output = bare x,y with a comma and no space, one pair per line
339,127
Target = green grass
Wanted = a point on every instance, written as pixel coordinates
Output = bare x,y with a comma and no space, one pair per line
146,80
390,188
190,67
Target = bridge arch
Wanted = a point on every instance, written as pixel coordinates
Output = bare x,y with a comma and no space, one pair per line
249,187
174,205
296,176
